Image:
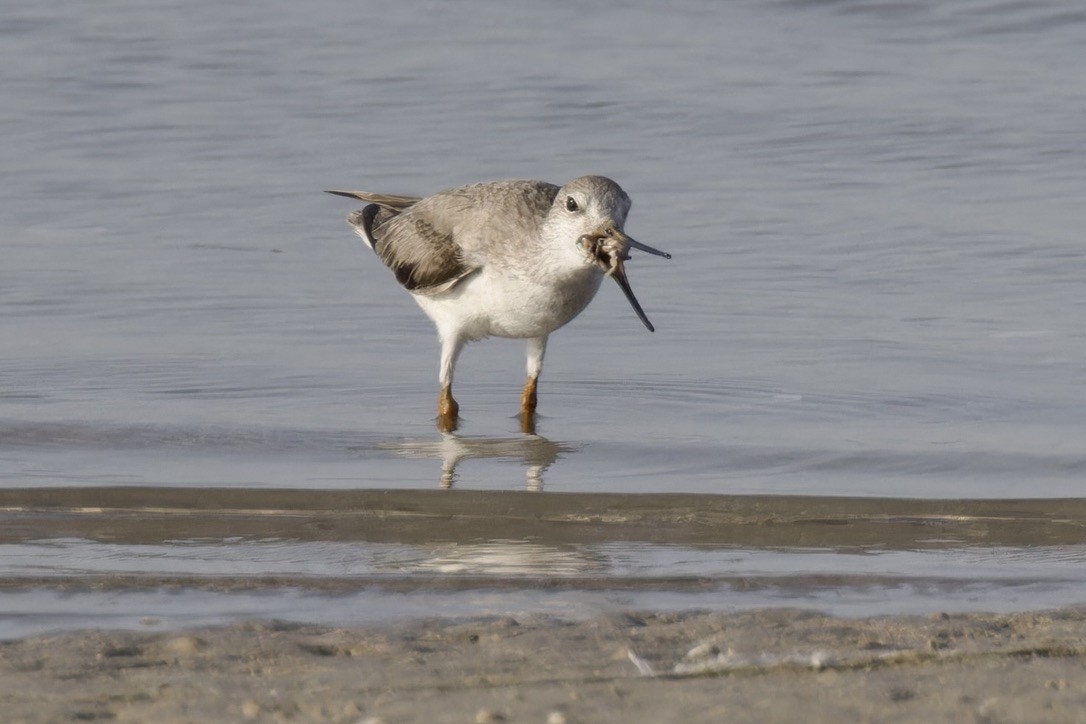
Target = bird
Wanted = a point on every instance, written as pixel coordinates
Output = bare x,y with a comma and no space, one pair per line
515,258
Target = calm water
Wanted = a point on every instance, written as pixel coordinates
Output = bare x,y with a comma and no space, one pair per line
875,210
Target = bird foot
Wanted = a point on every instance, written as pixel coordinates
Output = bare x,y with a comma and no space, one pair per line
527,423
448,412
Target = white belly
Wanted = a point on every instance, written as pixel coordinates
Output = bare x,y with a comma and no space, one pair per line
500,306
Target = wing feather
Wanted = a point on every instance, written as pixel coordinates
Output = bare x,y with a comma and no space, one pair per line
433,243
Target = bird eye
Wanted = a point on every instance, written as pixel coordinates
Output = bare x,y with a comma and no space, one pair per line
571,204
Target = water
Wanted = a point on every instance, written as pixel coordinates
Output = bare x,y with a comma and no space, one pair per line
875,212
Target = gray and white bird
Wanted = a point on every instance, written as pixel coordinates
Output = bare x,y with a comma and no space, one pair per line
512,259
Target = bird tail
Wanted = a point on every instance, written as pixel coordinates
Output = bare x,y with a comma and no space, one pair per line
388,201
382,207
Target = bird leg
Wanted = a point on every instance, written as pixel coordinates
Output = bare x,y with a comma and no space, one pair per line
537,348
527,407
448,412
528,399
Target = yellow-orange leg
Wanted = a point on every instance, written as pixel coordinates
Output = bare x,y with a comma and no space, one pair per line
448,412
527,406
528,399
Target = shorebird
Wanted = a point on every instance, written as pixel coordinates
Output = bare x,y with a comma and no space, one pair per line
512,259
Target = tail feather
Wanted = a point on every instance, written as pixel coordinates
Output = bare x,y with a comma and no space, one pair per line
388,201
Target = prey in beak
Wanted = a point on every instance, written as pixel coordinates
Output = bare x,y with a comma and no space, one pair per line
610,249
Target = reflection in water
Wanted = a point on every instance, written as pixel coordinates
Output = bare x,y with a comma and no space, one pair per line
536,452
509,558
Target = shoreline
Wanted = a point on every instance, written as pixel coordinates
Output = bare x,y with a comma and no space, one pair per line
451,653
759,665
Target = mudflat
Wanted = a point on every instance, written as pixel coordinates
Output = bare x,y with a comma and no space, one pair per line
766,665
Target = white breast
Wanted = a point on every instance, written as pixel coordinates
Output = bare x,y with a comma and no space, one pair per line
491,305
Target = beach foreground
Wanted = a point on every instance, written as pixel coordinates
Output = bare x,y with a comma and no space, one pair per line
751,666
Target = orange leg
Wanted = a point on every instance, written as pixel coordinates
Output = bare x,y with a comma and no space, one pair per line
528,399
448,412
527,406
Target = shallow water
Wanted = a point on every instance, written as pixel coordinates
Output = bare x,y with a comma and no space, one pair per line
875,213
154,558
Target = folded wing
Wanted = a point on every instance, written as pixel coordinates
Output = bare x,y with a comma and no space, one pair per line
417,246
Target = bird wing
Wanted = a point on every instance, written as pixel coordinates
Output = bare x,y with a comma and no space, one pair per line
433,243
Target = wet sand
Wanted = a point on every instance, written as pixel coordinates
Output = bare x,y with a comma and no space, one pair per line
150,515
753,666
760,665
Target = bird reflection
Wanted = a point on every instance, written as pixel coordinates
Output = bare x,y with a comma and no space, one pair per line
506,558
536,452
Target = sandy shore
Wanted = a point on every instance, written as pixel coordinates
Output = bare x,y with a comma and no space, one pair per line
649,667
754,666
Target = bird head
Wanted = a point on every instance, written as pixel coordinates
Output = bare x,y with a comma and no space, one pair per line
587,219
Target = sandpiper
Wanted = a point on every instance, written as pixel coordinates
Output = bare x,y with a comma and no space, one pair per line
512,259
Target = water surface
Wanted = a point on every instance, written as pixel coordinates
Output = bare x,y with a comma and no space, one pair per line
875,212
